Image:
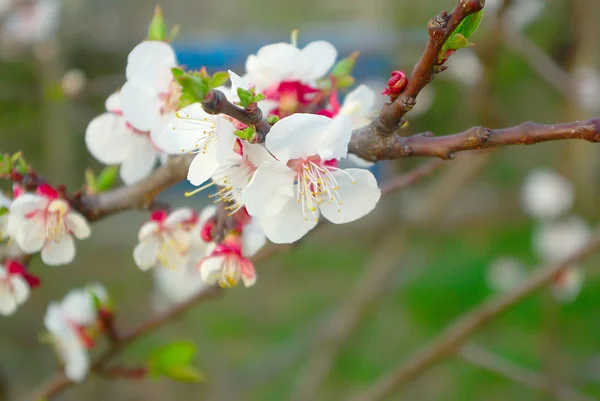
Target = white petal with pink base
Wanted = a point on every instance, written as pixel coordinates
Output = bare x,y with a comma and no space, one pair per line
226,266
43,222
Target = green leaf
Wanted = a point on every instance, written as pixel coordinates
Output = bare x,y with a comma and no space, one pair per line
272,119
219,78
199,86
178,74
246,97
345,66
157,29
185,374
469,25
107,178
3,210
344,81
247,133
259,97
22,167
172,355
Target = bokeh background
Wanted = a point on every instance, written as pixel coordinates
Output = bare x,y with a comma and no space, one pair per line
425,252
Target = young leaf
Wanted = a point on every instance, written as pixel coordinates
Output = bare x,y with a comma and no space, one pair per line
469,25
157,29
219,78
345,66
90,181
185,373
107,178
246,97
172,355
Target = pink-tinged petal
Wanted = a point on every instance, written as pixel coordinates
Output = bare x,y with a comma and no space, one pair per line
315,60
139,163
141,105
358,192
253,238
78,225
145,253
151,61
269,189
248,272
179,216
257,154
21,289
204,165
297,136
358,104
113,103
27,204
210,269
333,142
148,230
59,252
30,235
289,225
107,138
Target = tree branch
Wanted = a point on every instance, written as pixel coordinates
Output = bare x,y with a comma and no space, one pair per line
458,332
439,29
367,145
482,358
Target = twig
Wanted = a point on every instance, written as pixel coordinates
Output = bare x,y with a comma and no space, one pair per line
484,359
376,147
347,317
439,29
456,333
413,176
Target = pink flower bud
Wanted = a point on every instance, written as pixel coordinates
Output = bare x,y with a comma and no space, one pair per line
396,84
206,232
159,216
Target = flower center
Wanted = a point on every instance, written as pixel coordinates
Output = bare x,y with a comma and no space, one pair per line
172,250
56,226
231,272
316,184
204,126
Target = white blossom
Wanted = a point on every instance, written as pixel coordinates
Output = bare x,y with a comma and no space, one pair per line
15,286
558,240
504,274
567,285
546,195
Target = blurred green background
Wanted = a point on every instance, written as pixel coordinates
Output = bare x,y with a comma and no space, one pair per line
433,241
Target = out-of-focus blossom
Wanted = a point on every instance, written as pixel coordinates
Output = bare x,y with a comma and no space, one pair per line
15,286
504,274
465,67
546,195
73,82
519,14
558,240
587,88
4,208
32,23
567,285
43,221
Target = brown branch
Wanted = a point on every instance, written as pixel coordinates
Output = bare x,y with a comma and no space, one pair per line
482,358
217,103
367,145
457,333
137,196
439,30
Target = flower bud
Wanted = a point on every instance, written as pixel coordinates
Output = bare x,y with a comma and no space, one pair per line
396,84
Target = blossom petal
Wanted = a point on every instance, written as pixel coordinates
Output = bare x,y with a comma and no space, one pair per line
151,61
253,238
147,230
78,225
334,140
257,154
141,105
206,213
78,307
179,216
297,136
30,235
26,204
289,225
113,103
210,269
145,253
358,192
248,273
203,166
140,162
77,362
106,138
21,289
59,252
8,302
359,161
186,131
358,104
316,59
269,189
225,139
54,321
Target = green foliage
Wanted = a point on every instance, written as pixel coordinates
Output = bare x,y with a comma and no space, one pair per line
196,85
173,361
219,78
247,133
15,162
103,182
459,39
